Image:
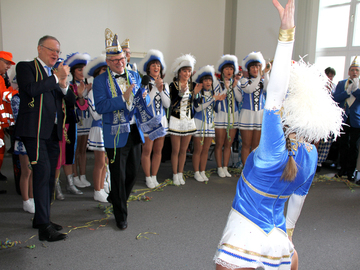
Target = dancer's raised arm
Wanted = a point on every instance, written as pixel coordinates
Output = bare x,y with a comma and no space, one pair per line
279,78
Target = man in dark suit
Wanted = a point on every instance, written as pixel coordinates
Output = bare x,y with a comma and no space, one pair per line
39,125
347,94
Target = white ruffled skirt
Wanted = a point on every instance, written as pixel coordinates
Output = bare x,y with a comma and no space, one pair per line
181,127
244,244
250,120
95,140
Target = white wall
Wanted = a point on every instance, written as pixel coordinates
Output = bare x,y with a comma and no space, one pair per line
175,27
258,28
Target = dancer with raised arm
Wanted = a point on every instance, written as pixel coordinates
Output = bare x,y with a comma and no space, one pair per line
257,234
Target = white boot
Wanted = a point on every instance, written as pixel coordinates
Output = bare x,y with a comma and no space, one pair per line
225,170
203,175
176,180
220,172
58,193
154,179
85,181
78,183
70,187
107,186
198,177
181,178
29,206
149,182
357,177
100,196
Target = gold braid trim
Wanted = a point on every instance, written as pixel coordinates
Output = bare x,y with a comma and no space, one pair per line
287,35
290,232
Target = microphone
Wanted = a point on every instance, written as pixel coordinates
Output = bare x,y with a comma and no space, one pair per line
145,81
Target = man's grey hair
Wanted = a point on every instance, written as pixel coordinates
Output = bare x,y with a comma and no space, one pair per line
44,38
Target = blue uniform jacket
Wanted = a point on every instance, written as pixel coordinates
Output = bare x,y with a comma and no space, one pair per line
353,112
105,104
260,193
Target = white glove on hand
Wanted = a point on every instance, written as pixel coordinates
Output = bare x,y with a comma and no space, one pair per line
354,86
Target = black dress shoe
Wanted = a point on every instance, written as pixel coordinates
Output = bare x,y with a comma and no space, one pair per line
57,227
122,225
2,177
341,172
50,234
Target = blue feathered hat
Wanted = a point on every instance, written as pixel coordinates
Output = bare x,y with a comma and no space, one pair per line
253,57
151,56
58,62
204,71
93,65
228,59
77,58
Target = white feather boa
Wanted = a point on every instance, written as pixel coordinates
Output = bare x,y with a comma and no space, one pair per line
308,109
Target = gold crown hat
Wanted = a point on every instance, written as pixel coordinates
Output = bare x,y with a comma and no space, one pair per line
112,45
125,43
355,63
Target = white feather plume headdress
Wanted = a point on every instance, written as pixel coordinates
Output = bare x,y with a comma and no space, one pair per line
227,59
204,71
93,65
151,56
186,60
253,57
308,108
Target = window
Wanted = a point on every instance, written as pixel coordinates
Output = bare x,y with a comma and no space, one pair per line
338,35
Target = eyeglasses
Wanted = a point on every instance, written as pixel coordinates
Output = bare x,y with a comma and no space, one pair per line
52,50
127,52
117,61
6,62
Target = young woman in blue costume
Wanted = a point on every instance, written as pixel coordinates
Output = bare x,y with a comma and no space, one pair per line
226,111
252,109
83,124
154,66
26,180
76,62
182,124
204,119
95,141
257,234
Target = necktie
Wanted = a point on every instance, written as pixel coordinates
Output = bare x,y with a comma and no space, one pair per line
48,70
